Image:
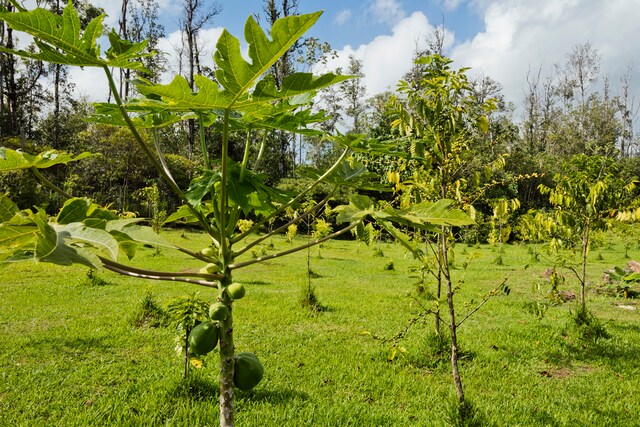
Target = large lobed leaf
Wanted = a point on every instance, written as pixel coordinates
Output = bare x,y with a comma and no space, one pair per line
60,39
14,160
81,228
237,75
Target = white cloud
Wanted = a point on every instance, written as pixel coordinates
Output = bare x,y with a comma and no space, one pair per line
520,35
387,58
451,4
343,17
387,11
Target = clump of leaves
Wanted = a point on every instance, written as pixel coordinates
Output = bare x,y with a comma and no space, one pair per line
309,300
464,414
149,314
389,266
619,282
554,296
94,279
587,326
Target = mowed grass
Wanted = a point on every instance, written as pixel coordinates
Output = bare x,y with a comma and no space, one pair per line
70,357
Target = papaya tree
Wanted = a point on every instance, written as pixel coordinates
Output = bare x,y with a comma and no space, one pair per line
588,194
243,99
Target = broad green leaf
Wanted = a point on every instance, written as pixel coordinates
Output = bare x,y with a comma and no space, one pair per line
142,235
110,114
237,75
59,38
8,209
178,97
77,232
183,213
292,85
73,210
14,160
426,215
403,238
124,54
359,207
14,238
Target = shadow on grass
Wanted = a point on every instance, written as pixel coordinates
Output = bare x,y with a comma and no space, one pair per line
70,346
194,388
258,282
200,389
271,395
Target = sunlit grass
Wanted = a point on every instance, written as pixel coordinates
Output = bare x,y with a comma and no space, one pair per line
69,355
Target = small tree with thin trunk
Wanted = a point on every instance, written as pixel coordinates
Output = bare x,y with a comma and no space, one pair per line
587,195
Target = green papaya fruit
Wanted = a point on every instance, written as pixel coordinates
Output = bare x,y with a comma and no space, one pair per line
218,311
235,290
203,338
248,371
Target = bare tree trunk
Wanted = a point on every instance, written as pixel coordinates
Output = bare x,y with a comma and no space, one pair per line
125,74
583,273
457,380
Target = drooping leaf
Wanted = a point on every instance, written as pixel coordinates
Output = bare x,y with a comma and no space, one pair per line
140,234
426,215
8,209
78,233
14,160
73,210
403,238
359,207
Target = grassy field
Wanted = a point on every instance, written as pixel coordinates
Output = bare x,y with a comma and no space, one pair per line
70,357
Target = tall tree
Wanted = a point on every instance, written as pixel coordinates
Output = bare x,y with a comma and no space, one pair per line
354,93
195,14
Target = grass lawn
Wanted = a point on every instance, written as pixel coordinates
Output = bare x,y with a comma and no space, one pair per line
70,357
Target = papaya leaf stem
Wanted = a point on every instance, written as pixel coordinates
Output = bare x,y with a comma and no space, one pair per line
293,250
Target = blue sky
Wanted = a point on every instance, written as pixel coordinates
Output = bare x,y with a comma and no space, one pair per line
503,39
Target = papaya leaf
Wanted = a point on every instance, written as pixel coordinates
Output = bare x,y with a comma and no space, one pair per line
57,37
292,85
140,234
426,215
61,40
183,213
359,207
8,209
109,114
11,160
124,54
125,242
401,237
178,97
79,234
237,75
201,187
73,210
17,238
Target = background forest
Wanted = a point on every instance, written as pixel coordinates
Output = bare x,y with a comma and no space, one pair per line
575,110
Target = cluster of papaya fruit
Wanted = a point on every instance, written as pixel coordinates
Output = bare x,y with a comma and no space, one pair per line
204,337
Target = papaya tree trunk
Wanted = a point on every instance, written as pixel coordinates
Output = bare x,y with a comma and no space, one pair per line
457,380
226,360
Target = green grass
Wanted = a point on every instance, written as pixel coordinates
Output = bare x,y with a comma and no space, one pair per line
69,355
